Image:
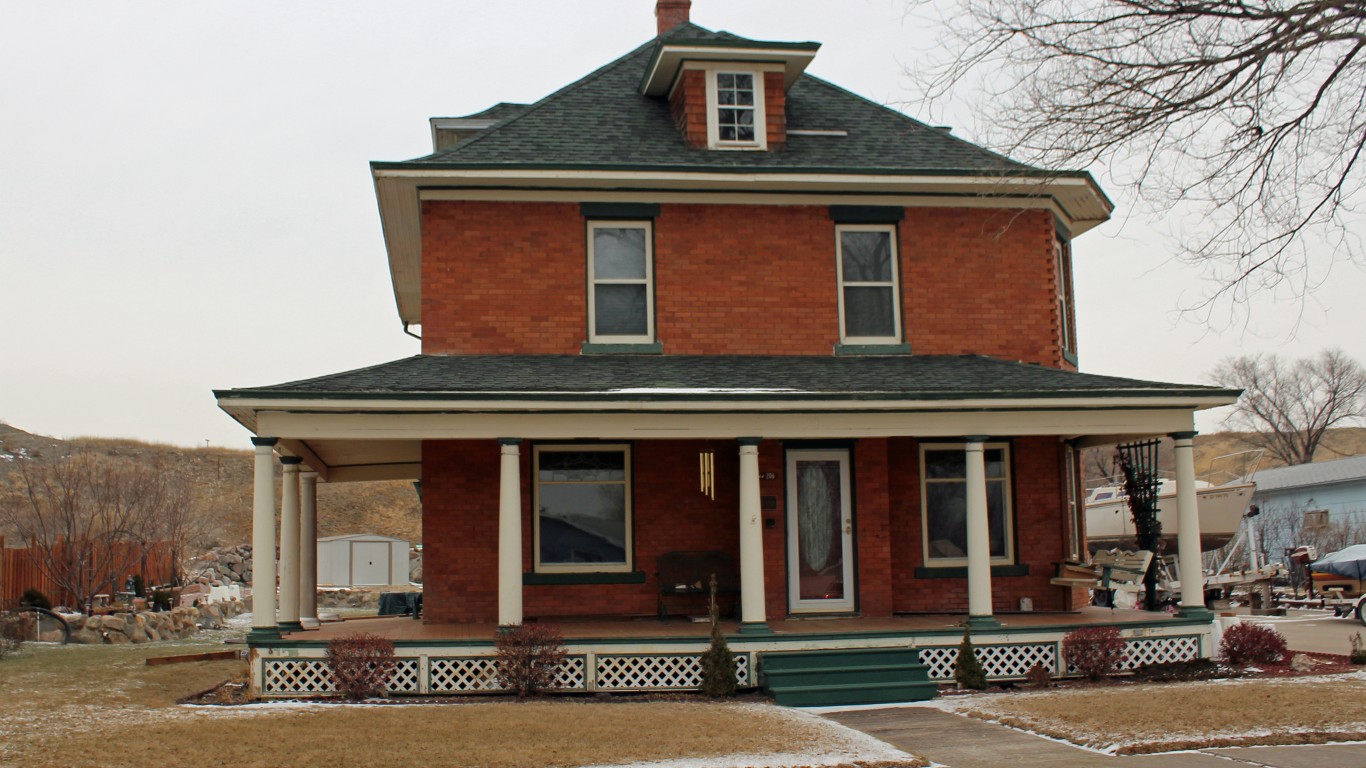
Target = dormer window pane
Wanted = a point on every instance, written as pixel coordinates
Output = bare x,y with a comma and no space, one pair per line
735,107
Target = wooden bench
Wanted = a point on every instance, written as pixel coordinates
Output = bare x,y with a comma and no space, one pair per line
1120,571
686,576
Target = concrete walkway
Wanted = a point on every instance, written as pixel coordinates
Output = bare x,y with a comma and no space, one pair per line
964,742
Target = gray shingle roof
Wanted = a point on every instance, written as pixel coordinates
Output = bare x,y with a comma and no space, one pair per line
603,121
714,377
1318,473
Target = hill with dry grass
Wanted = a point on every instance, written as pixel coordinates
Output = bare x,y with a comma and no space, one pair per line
222,482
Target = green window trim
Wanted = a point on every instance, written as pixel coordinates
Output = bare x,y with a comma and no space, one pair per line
961,571
544,579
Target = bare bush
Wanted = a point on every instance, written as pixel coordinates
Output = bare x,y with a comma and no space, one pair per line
529,658
361,664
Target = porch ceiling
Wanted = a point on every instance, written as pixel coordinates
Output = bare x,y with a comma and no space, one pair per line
369,423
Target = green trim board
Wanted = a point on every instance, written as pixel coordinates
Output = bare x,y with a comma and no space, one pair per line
598,348
606,577
961,571
867,214
619,210
747,640
851,350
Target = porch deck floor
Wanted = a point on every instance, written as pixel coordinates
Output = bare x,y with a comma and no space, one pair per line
405,628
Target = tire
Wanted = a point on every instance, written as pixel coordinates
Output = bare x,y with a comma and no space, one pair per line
48,624
1361,611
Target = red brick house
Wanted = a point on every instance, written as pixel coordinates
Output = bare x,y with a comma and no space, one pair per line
702,301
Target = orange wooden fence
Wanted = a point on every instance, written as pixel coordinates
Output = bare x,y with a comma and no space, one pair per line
20,570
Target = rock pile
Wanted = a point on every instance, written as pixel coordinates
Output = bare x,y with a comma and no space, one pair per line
151,626
223,566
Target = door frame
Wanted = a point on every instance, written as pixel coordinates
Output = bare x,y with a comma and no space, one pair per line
795,603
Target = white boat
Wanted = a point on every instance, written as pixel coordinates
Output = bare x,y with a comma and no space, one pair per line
1110,524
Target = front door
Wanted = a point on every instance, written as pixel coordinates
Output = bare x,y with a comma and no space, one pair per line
820,532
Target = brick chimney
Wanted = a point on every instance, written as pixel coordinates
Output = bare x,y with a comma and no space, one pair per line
671,13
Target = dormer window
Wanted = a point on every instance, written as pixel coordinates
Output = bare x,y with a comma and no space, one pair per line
735,108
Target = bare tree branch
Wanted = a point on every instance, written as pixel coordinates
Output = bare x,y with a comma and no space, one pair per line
1249,114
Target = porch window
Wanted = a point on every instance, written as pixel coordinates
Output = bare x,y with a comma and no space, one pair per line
621,277
583,508
869,310
943,484
1072,482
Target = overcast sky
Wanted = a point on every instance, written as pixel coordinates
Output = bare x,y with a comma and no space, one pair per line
185,201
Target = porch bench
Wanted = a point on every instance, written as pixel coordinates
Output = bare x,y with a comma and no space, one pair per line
686,575
1109,570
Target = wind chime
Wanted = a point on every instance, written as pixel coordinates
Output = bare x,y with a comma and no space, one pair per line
706,465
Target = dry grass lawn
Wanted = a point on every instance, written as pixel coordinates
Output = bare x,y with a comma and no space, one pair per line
101,706
1138,719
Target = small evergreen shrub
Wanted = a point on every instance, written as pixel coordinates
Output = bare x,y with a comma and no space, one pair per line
1095,652
1246,643
718,663
1358,649
361,664
967,669
34,599
1039,676
529,658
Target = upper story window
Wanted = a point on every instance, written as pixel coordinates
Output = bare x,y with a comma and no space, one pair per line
1062,256
735,107
621,283
870,311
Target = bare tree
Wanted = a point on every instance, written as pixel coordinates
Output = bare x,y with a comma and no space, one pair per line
89,518
1288,405
1249,114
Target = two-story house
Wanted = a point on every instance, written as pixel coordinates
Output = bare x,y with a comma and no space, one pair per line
702,301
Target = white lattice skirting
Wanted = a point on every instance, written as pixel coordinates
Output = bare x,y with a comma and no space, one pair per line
1013,661
479,674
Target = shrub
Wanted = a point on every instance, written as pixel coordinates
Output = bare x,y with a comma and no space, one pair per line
529,657
161,599
361,664
1039,676
1245,643
34,598
1096,652
1358,649
15,628
967,669
718,663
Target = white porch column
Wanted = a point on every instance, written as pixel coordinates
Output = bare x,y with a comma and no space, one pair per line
308,549
753,619
510,533
289,545
979,535
263,541
1188,529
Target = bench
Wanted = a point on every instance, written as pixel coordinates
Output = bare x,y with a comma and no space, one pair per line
1109,570
686,576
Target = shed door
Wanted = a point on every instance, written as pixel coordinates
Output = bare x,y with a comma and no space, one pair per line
369,563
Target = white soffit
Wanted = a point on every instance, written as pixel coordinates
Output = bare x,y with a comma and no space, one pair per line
660,79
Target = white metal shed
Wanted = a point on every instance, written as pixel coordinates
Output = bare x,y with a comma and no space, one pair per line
362,560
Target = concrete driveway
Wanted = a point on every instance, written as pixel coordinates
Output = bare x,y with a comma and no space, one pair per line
963,742
1315,631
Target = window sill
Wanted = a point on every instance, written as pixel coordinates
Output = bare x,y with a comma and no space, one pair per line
961,571
597,348
612,577
851,350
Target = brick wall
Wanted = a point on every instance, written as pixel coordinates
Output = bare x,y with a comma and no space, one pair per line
688,105
775,111
502,278
460,530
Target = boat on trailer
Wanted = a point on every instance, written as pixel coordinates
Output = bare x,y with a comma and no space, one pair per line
1110,525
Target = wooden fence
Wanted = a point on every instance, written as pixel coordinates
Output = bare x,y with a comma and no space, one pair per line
20,569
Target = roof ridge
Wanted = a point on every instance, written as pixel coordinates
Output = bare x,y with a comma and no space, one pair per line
922,124
541,102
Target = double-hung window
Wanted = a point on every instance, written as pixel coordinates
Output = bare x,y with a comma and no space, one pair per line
583,508
735,110
621,283
943,483
870,311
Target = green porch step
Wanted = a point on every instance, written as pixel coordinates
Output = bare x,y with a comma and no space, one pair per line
847,676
